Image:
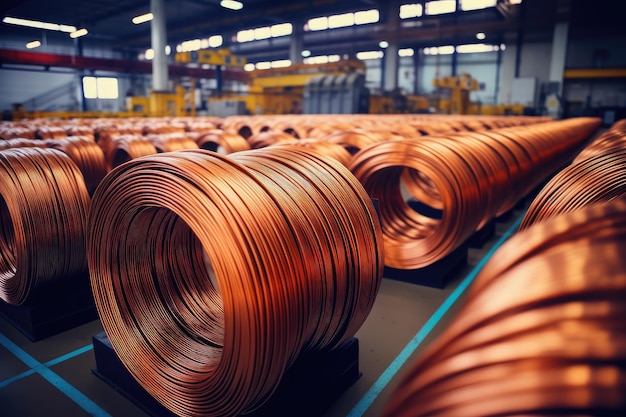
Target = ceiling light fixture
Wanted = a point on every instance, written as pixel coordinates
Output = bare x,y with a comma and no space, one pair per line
383,44
33,44
480,36
231,4
142,18
37,24
78,33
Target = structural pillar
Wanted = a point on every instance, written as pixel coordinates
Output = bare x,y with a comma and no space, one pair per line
296,44
160,74
559,52
391,61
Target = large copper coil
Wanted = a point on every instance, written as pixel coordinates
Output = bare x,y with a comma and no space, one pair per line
43,208
614,138
170,142
222,142
354,141
80,130
87,156
22,143
467,176
11,131
127,147
541,331
598,178
50,132
210,277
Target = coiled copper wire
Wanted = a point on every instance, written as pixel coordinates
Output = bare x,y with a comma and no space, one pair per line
243,265
268,138
332,150
43,208
541,331
597,178
222,142
171,142
87,156
127,147
464,175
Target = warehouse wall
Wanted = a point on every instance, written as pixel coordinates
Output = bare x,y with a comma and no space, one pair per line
534,63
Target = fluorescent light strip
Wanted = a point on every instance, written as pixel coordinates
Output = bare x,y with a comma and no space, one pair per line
33,44
231,4
38,25
79,33
143,18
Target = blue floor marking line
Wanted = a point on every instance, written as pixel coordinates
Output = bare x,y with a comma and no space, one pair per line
62,385
11,380
68,356
383,380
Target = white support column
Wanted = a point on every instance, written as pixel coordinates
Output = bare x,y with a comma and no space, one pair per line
559,52
160,74
391,61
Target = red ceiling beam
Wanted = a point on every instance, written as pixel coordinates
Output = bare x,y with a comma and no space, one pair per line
8,56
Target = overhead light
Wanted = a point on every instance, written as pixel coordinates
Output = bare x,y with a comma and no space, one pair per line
146,17
383,44
231,4
480,36
39,25
33,44
306,53
78,33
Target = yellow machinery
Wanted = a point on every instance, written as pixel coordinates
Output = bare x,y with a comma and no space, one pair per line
281,90
179,103
459,87
220,57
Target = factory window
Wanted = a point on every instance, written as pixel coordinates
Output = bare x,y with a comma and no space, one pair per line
441,50
265,32
477,4
406,52
408,11
245,35
321,59
440,7
100,87
262,33
317,23
476,48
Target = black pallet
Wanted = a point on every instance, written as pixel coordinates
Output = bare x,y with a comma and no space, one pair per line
307,389
480,237
52,310
434,275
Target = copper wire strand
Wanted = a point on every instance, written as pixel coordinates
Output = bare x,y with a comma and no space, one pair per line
542,323
43,205
128,147
224,302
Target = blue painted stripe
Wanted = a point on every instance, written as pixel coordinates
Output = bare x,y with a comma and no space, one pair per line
11,380
383,380
68,356
62,385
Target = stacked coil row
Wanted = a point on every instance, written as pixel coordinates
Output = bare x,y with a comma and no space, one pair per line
471,178
245,262
597,174
541,331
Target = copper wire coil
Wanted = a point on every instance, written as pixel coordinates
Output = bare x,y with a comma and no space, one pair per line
43,208
225,300
222,142
22,143
128,147
614,138
10,132
332,150
354,141
268,138
80,130
597,178
170,142
88,157
466,176
541,331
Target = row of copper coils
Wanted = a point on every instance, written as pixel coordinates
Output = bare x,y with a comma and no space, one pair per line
542,329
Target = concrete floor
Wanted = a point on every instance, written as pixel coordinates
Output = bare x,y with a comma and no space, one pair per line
53,375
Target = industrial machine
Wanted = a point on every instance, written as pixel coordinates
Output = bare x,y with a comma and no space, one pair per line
458,88
159,103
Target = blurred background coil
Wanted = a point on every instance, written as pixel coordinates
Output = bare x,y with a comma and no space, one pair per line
243,261
541,332
43,212
222,142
